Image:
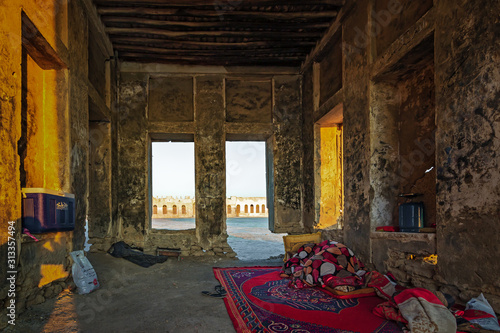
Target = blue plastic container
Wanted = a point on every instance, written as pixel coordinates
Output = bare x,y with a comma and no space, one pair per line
411,216
47,210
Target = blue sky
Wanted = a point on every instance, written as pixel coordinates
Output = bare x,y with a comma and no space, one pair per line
173,169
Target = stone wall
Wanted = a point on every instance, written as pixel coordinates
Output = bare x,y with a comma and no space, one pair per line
421,271
418,104
246,207
44,102
175,207
210,106
467,144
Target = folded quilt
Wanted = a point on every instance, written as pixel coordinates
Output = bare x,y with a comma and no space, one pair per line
328,263
335,268
420,309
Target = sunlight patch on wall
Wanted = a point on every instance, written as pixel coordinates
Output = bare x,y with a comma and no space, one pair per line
51,273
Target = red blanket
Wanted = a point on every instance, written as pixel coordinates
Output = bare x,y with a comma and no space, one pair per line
332,265
420,309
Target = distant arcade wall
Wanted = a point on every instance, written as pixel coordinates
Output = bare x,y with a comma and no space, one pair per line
175,207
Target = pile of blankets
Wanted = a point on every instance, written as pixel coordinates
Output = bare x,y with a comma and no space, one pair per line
334,267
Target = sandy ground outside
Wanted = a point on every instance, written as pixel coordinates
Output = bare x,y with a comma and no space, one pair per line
162,298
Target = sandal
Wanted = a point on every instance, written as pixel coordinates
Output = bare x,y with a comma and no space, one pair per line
220,289
213,294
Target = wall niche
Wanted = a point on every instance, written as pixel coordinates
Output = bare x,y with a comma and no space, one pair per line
403,130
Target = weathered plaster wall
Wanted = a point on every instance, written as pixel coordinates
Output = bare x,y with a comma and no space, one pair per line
384,162
423,87
210,161
133,157
356,136
417,126
308,212
78,101
171,100
10,132
236,105
248,100
100,198
392,17
330,76
44,133
287,152
467,145
96,63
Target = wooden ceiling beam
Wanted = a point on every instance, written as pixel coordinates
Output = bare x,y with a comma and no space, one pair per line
110,20
222,33
188,45
222,15
213,61
214,52
259,63
219,57
220,3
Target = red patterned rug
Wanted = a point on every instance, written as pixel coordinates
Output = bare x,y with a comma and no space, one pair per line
258,300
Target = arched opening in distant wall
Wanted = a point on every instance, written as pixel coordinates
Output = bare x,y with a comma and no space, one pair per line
164,209
183,209
257,209
246,209
155,209
229,209
263,208
251,209
174,210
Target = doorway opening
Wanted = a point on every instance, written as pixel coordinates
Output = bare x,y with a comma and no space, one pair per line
173,185
329,177
246,203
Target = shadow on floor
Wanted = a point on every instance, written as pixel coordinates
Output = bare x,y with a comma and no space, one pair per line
163,298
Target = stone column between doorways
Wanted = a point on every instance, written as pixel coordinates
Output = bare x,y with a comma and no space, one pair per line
210,166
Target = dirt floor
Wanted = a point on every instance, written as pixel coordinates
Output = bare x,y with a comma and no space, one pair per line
163,298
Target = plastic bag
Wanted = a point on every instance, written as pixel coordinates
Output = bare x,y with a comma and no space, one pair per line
481,304
84,275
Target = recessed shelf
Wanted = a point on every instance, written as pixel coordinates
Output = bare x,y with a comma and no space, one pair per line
401,236
404,53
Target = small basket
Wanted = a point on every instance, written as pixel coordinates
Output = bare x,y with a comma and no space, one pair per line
294,242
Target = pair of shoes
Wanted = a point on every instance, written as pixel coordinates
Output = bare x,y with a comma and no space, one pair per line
220,289
220,292
213,294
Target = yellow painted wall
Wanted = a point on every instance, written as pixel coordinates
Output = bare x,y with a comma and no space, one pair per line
331,198
45,105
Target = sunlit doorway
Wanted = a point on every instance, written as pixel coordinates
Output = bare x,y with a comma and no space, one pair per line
173,186
246,202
